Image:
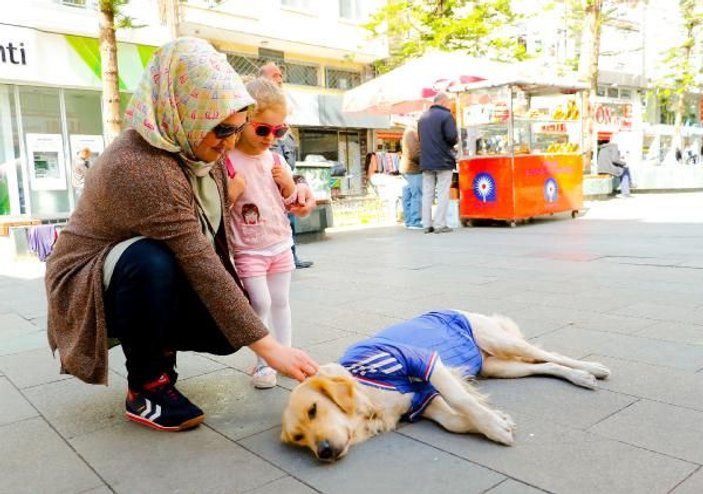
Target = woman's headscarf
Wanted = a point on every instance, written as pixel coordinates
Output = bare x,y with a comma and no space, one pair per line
187,89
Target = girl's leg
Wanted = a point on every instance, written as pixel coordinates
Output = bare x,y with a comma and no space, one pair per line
279,289
260,299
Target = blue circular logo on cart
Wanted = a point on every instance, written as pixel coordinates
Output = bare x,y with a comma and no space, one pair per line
484,187
551,191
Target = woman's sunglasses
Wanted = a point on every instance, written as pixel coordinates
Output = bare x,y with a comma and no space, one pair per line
263,130
223,131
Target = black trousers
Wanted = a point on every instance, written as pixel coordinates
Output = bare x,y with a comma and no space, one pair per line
153,310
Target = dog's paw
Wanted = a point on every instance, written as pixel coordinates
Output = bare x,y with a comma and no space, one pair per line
582,378
598,370
500,428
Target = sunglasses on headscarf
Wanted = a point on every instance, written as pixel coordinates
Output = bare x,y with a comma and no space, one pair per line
263,130
223,131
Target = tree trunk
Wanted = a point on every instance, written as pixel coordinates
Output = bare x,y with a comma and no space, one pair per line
588,68
108,60
681,96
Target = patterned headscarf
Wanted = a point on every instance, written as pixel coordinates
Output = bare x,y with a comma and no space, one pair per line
187,89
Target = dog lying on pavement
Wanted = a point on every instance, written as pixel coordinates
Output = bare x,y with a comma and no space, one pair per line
419,368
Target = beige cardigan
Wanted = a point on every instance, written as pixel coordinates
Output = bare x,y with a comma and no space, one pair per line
134,189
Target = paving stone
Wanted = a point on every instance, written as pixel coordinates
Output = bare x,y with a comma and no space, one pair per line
35,459
13,406
656,383
23,342
233,407
510,486
401,465
692,485
32,368
75,408
635,348
678,332
545,397
11,323
559,459
199,460
660,427
287,485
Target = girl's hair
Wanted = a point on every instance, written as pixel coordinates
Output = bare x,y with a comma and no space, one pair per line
268,95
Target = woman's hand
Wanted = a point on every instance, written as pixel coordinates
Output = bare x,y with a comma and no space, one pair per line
235,188
288,361
305,202
284,180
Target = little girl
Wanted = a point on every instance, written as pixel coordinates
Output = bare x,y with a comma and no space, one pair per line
260,189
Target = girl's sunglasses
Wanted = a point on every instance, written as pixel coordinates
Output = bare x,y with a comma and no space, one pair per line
223,131
263,130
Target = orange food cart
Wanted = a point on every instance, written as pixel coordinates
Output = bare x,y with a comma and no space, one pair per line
520,150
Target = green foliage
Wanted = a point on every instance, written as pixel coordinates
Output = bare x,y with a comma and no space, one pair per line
121,21
416,26
681,75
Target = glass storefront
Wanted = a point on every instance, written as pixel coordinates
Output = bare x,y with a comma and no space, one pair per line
39,129
11,187
343,146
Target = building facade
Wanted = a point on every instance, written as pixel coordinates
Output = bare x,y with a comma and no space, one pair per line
635,40
50,86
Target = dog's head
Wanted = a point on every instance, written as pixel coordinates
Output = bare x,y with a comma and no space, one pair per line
320,413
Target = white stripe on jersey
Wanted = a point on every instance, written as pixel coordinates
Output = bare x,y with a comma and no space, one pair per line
390,370
369,359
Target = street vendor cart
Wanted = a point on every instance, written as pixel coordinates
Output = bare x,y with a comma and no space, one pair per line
520,150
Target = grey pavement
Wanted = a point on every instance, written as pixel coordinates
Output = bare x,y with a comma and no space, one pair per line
621,284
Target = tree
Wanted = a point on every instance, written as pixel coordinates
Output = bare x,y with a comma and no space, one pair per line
110,19
473,26
588,68
108,61
683,76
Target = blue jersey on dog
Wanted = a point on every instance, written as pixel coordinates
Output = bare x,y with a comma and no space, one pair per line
402,357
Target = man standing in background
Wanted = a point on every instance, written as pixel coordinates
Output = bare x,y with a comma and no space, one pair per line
410,169
438,135
286,147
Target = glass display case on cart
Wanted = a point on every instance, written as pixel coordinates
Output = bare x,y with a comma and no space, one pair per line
520,149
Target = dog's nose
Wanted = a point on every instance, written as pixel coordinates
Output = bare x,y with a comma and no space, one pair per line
324,450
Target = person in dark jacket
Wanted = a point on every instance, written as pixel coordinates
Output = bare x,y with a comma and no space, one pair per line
438,135
286,147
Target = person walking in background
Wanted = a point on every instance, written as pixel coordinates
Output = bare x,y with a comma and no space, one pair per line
410,169
144,256
438,135
610,161
286,147
260,190
79,167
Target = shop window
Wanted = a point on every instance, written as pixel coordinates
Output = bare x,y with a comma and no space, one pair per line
625,93
299,4
352,10
11,184
600,91
612,92
342,79
293,73
46,151
74,3
83,115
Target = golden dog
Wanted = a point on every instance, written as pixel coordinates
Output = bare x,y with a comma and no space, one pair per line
340,406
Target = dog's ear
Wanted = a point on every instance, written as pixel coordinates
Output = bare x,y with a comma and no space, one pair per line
339,389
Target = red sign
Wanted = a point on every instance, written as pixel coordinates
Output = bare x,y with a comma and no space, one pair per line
613,117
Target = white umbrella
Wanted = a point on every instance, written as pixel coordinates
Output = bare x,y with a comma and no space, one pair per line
411,86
